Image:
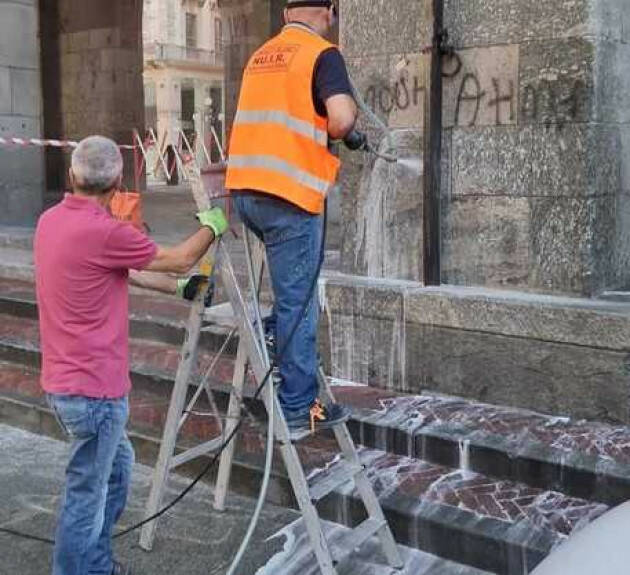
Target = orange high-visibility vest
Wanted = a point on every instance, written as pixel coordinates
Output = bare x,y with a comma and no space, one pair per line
279,143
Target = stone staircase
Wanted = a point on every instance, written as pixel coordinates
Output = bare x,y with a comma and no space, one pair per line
489,488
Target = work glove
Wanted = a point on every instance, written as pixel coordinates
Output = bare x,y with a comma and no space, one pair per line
215,220
188,288
356,140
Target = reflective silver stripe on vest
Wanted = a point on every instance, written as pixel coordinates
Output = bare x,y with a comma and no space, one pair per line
276,117
277,165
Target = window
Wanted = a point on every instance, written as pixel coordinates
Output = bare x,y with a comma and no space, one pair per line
218,35
191,30
150,105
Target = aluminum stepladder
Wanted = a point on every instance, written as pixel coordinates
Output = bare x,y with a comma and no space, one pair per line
250,353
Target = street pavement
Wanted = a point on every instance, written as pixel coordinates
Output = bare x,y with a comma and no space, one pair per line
192,539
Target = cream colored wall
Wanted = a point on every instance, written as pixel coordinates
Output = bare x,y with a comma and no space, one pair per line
164,22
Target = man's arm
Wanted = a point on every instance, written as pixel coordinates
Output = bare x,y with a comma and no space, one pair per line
333,94
154,281
181,258
342,115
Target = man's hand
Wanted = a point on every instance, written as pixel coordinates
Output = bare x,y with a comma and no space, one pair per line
188,288
215,220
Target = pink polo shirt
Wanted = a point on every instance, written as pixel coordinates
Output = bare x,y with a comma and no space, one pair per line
82,262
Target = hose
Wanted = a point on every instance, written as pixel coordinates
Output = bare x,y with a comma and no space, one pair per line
263,491
270,435
372,115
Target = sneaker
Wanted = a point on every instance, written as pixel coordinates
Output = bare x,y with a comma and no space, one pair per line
318,417
270,342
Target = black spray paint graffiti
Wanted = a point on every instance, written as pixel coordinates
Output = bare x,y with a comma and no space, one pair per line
401,95
554,102
541,102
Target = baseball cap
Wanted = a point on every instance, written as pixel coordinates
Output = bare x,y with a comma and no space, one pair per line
309,3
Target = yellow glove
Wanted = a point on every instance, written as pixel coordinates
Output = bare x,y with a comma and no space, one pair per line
215,220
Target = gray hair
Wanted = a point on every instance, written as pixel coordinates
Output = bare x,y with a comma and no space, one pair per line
96,164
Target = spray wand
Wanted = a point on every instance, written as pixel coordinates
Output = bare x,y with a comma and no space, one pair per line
358,141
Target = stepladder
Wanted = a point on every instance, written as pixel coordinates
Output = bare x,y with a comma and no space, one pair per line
241,315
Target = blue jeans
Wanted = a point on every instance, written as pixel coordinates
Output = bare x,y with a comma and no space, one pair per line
292,239
97,482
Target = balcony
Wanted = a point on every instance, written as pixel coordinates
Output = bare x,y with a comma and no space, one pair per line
173,54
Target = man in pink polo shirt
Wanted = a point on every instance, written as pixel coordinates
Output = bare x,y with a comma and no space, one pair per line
82,260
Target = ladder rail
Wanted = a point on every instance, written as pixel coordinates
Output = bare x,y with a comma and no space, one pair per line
252,352
287,449
178,398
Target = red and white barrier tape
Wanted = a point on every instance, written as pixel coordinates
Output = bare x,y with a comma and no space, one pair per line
48,143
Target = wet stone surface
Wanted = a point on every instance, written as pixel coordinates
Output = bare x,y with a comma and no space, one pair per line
517,429
422,482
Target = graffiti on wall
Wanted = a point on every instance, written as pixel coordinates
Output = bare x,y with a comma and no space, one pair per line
480,88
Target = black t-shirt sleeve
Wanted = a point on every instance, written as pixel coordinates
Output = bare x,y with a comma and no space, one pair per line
330,79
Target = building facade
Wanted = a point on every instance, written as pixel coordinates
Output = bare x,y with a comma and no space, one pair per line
183,67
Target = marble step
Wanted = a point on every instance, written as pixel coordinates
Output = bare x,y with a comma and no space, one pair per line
491,524
584,459
297,558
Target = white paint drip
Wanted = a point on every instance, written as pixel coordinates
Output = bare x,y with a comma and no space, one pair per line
464,458
326,467
280,561
296,558
340,382
370,223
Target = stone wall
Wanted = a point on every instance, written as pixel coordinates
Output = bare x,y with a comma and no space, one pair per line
552,354
21,170
92,74
536,107
536,202
382,204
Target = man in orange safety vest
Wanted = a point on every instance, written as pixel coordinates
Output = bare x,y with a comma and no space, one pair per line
295,98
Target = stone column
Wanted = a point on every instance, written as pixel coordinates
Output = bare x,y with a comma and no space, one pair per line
246,25
93,72
169,105
538,107
21,169
382,204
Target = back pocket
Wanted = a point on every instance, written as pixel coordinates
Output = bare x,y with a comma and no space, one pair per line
74,414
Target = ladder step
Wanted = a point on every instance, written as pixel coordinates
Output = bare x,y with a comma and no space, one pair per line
327,481
194,452
352,540
222,315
